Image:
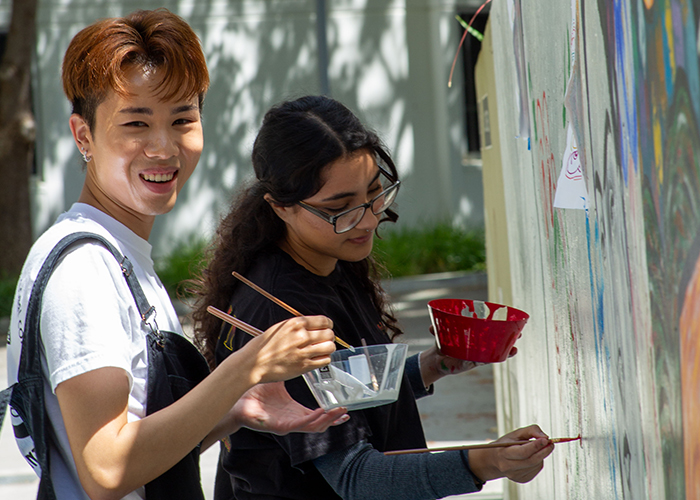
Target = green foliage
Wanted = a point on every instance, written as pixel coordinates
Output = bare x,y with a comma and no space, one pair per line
180,265
431,249
173,269
7,294
404,252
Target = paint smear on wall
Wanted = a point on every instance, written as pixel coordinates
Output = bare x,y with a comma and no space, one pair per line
520,64
690,384
547,163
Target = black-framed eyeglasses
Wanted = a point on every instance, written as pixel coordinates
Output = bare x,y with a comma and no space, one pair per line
350,218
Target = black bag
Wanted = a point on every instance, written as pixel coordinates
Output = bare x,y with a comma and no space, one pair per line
175,366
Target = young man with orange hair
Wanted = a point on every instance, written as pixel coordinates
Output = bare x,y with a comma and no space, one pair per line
122,419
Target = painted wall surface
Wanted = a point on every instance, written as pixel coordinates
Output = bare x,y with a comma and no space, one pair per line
388,60
613,289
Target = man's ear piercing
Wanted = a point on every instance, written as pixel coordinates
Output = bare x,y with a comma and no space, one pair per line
86,158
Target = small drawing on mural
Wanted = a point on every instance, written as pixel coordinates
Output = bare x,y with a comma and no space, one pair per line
571,187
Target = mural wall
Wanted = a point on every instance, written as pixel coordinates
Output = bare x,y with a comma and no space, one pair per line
598,106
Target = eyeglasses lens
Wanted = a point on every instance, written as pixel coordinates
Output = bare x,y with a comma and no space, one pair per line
384,201
349,220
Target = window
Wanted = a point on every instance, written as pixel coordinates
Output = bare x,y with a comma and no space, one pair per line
470,54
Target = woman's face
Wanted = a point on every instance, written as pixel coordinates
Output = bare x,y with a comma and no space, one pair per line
143,151
311,241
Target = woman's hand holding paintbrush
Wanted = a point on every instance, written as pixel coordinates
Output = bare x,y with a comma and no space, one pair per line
518,455
495,444
519,463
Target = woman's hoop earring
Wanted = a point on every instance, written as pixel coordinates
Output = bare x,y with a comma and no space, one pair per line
86,158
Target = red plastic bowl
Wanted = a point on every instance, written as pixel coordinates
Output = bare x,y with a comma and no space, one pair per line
467,329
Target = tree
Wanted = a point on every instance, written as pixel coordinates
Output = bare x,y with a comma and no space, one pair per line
17,134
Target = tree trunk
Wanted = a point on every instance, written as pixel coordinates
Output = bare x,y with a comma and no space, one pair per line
17,133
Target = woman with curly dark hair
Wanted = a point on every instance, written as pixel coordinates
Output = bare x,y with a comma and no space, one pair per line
303,231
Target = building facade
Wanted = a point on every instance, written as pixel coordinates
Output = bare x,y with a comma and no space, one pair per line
388,60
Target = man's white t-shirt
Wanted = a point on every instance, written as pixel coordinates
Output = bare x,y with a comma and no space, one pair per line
89,320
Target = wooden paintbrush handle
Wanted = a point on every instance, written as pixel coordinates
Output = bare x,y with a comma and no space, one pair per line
449,448
250,330
282,304
478,446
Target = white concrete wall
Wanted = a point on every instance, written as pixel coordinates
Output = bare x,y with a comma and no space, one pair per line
389,61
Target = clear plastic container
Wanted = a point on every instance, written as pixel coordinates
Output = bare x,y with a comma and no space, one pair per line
370,376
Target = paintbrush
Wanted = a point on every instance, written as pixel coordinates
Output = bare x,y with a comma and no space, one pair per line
479,446
250,330
283,305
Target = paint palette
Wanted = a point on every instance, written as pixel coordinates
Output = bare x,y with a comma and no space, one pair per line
473,330
368,377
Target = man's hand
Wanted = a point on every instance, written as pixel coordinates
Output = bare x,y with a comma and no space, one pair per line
270,408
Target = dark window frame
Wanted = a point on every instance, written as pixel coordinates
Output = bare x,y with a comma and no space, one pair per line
470,55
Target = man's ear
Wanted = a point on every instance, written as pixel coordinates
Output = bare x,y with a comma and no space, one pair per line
282,211
81,134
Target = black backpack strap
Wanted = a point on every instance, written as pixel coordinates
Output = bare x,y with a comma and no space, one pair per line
29,386
30,359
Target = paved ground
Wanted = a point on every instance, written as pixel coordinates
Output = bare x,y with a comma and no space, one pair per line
461,410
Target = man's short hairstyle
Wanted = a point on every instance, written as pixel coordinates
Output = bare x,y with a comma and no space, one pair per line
98,57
